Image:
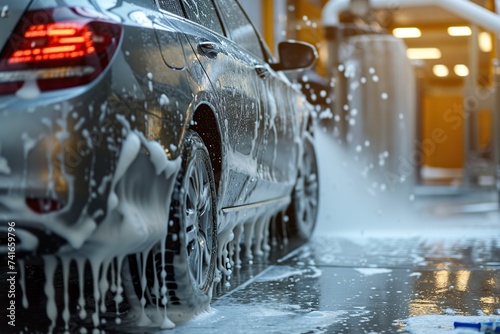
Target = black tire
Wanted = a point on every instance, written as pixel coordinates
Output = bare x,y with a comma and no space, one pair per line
191,246
303,211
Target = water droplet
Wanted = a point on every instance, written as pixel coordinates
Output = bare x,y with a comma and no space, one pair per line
367,143
341,67
359,148
5,11
384,96
354,112
375,78
363,80
352,122
371,70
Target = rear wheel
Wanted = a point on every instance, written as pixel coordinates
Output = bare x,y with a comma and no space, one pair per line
303,211
181,273
191,245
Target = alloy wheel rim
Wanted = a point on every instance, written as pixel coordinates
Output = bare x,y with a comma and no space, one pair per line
307,192
198,213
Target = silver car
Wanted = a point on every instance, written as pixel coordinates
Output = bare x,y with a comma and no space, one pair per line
142,142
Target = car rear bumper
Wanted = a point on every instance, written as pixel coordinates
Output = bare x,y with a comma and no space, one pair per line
57,158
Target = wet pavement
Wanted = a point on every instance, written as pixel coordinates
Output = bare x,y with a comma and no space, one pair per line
367,283
350,280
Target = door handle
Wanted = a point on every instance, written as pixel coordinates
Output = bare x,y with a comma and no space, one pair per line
208,47
262,71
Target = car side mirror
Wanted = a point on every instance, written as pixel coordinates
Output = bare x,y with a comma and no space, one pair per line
295,55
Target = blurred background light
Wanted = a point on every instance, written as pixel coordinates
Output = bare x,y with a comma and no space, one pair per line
423,53
485,42
407,32
461,70
459,31
440,70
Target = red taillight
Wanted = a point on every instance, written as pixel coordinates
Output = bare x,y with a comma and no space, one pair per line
57,48
53,41
43,205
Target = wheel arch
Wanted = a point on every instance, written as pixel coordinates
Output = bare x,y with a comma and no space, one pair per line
205,123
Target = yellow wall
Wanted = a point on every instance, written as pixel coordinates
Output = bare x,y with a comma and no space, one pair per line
485,128
268,22
444,112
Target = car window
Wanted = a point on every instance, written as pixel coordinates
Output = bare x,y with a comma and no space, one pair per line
239,27
203,12
171,6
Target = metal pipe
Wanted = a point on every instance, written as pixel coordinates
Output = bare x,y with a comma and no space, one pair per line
471,109
280,25
496,112
463,8
496,127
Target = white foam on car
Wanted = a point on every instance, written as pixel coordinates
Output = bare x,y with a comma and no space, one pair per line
4,166
135,222
29,90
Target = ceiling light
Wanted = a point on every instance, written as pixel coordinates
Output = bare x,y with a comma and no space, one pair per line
485,42
461,70
440,70
410,32
423,53
459,31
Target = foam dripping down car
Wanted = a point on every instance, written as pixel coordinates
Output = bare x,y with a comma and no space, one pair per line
141,142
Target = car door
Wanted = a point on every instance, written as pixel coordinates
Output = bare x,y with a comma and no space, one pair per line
233,76
278,151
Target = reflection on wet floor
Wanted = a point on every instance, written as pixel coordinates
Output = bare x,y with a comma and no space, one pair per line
348,283
363,285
